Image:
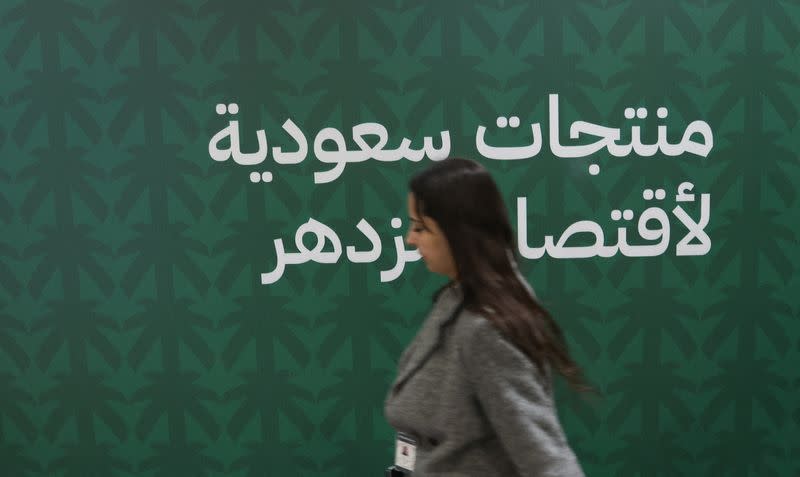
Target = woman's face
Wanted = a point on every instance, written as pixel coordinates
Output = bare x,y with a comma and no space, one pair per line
425,234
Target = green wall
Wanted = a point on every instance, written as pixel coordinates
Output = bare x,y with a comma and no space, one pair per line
136,337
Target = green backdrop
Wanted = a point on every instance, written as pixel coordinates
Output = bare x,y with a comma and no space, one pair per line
136,337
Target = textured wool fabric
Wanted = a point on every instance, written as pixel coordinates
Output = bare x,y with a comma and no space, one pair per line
476,404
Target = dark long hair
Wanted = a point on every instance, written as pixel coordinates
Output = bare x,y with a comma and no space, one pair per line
461,196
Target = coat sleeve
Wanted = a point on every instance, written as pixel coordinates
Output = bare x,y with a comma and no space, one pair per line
517,401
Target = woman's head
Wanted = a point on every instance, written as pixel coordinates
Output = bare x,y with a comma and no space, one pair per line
460,225
459,222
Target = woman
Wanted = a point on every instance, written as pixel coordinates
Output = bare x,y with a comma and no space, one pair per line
473,392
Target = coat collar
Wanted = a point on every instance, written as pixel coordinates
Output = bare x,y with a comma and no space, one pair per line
449,304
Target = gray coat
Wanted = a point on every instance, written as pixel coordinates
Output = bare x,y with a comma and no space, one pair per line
475,403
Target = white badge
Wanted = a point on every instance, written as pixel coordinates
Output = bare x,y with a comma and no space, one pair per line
405,452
